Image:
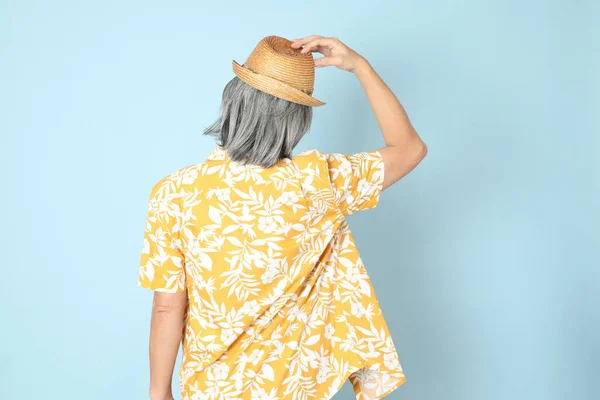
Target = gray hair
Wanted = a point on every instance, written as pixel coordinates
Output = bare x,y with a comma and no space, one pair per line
256,127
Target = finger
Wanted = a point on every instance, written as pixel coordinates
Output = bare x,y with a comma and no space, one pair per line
325,50
321,41
306,38
296,43
328,61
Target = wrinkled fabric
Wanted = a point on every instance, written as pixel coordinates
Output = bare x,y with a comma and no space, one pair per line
280,303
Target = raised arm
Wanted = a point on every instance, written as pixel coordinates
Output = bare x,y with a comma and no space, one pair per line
404,148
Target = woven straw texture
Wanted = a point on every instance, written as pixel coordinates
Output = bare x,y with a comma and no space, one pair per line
276,68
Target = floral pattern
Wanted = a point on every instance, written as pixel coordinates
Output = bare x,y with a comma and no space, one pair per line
280,303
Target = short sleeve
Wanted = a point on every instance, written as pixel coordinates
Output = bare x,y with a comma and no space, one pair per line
162,266
356,180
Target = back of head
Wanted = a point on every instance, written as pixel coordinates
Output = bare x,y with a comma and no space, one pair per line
256,127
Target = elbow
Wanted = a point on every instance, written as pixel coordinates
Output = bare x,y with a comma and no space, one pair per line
420,151
423,148
168,314
416,149
162,309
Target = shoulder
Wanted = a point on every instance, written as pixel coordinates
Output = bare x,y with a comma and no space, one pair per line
332,162
327,162
311,164
335,158
310,158
175,181
308,154
318,166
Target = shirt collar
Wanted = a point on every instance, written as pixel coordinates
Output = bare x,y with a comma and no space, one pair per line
218,153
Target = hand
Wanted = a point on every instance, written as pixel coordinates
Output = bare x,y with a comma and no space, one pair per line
336,53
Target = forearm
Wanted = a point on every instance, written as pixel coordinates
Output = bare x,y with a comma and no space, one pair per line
166,331
403,149
391,116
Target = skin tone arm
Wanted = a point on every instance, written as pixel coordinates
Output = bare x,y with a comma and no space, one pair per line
166,331
404,148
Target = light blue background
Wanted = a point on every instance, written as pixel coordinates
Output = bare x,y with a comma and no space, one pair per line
485,258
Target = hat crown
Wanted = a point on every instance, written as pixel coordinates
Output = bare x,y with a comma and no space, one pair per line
274,57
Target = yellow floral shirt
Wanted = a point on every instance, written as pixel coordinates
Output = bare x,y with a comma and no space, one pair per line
280,303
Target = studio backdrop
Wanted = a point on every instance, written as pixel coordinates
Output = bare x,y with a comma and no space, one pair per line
485,259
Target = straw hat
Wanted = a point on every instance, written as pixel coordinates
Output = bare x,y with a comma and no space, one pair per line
276,68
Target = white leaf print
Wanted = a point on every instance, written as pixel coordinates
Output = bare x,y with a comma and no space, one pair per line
268,372
188,233
312,340
205,260
235,241
299,227
214,215
212,170
274,245
364,287
150,271
176,261
230,229
345,262
293,345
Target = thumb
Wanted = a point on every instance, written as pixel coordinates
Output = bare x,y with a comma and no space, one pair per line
327,61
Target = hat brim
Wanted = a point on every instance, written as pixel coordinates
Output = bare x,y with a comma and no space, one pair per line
275,87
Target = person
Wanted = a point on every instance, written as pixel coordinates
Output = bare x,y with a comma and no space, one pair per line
253,265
